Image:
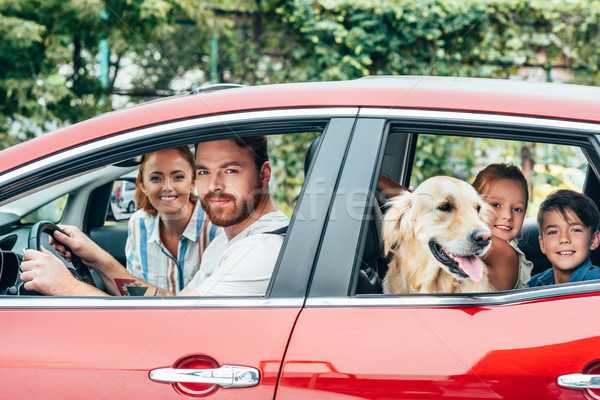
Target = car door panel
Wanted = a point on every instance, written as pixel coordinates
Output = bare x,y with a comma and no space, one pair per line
373,349
498,345
107,352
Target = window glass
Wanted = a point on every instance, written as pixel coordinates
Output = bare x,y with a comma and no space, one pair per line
547,167
51,211
413,158
101,201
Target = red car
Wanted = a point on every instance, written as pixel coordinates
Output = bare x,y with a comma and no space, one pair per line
324,330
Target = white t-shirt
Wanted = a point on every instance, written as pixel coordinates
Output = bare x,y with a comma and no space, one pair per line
243,265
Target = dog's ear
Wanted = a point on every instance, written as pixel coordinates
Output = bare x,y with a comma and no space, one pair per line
486,213
392,221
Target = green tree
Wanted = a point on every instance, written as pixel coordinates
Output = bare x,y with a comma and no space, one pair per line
346,39
49,53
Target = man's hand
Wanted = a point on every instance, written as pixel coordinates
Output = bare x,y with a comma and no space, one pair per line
43,272
88,251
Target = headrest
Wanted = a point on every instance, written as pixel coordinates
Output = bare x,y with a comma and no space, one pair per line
374,244
310,153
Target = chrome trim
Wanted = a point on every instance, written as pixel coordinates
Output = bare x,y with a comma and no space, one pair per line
216,87
226,376
579,381
178,125
478,117
466,300
22,302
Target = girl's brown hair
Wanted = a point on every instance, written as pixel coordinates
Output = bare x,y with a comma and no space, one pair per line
494,172
141,199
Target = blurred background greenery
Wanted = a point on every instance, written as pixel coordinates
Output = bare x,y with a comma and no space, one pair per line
63,61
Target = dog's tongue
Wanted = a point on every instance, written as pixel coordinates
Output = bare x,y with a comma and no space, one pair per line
471,266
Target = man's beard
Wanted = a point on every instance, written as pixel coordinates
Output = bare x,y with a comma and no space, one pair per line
236,211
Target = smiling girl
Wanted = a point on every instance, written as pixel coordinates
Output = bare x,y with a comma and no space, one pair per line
504,187
169,232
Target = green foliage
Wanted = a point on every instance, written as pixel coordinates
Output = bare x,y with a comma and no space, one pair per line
287,154
463,158
49,57
345,39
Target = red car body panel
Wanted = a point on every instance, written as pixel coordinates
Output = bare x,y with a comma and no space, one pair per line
515,351
130,343
477,95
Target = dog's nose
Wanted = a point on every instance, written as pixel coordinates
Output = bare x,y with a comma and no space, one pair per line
481,237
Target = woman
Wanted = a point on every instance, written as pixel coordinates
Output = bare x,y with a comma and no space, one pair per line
169,232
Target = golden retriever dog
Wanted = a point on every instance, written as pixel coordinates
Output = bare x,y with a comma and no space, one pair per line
435,237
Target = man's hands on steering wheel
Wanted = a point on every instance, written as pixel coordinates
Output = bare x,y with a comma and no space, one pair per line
43,271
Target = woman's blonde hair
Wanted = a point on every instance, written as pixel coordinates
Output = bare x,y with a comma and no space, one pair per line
141,199
494,172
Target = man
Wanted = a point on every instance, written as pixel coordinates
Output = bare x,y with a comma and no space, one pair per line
232,183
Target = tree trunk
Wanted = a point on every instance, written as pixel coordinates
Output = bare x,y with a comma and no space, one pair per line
527,163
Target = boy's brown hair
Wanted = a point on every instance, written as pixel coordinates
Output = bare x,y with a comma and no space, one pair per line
563,200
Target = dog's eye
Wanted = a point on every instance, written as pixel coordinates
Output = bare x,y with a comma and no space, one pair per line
478,208
446,207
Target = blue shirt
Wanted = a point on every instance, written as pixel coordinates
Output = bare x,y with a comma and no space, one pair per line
585,272
149,260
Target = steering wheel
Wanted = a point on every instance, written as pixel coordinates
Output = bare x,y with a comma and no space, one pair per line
76,266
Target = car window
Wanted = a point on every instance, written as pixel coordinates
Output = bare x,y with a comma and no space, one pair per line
546,166
287,153
51,211
410,158
99,198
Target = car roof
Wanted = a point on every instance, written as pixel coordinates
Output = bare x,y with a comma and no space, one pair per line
563,101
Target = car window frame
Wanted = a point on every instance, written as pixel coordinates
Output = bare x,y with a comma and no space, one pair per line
120,147
580,134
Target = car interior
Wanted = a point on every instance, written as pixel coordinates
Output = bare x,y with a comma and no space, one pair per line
98,202
400,161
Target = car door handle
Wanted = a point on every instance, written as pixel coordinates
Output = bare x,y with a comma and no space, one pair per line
227,376
579,381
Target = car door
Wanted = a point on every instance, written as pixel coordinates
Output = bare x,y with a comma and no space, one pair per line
173,348
520,344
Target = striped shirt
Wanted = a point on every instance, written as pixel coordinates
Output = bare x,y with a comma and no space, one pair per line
149,260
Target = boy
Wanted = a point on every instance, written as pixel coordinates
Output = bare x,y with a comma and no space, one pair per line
568,223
